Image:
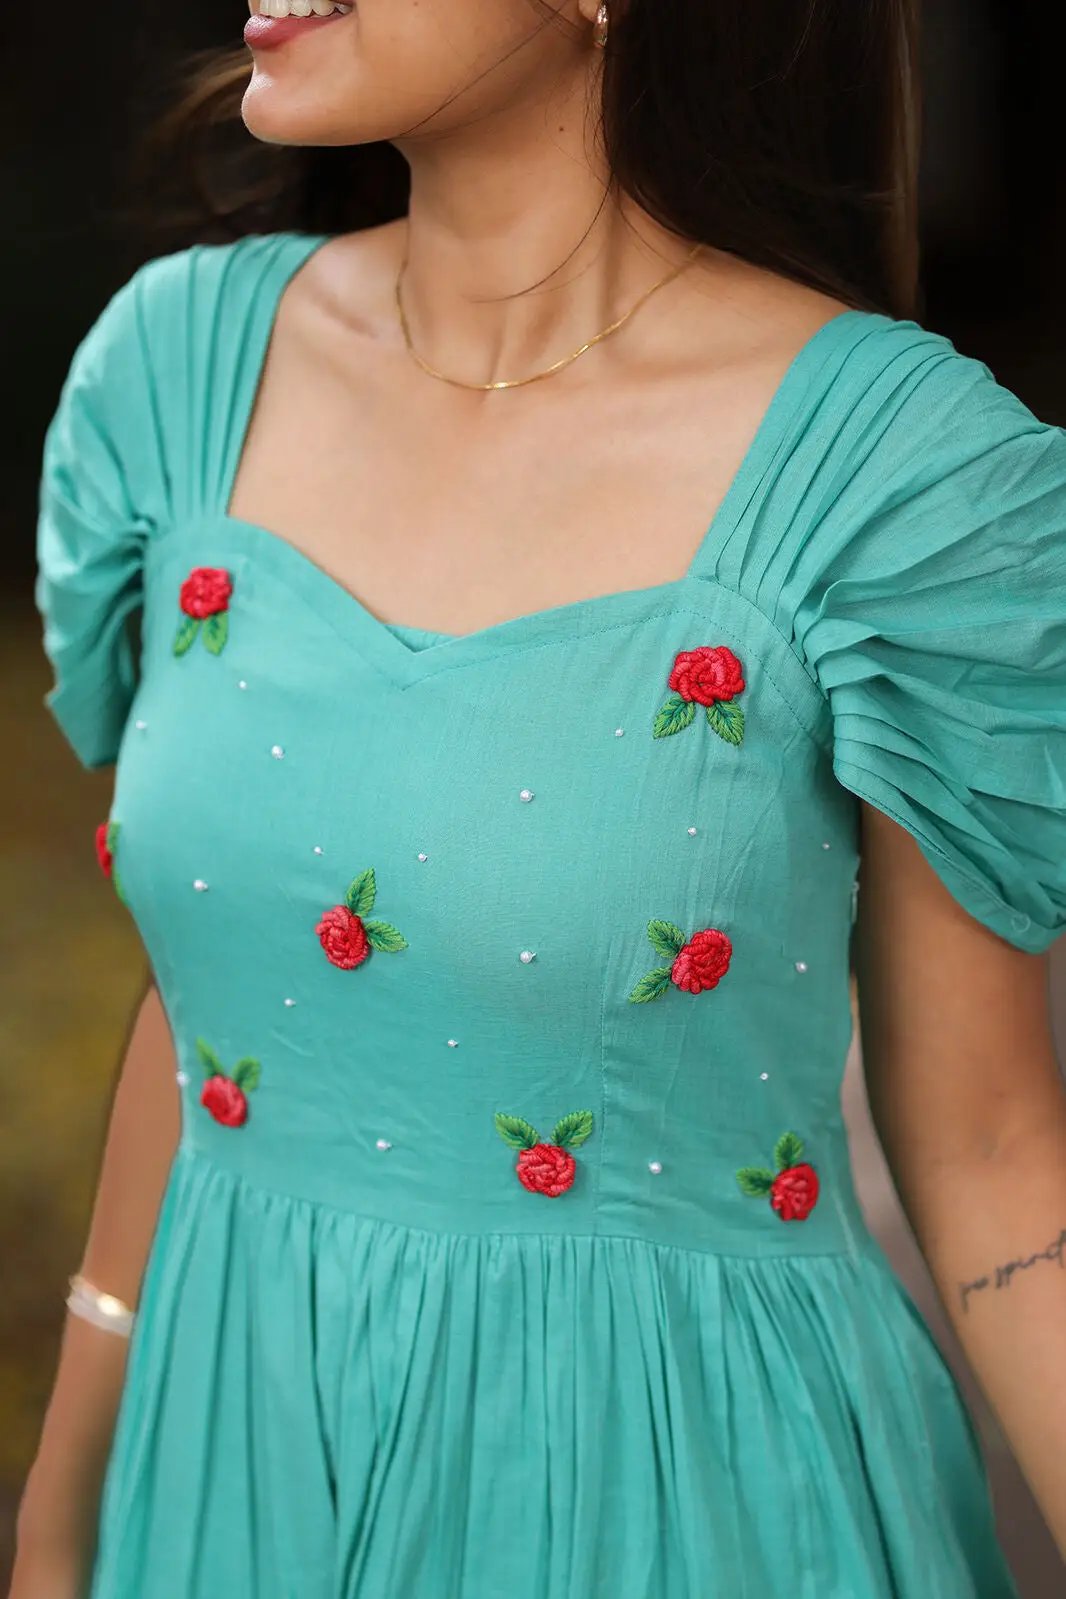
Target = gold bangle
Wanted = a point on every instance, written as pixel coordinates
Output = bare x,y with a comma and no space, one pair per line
103,1310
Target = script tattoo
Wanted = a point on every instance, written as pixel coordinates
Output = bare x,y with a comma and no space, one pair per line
1003,1275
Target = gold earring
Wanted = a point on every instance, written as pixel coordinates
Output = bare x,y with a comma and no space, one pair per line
600,26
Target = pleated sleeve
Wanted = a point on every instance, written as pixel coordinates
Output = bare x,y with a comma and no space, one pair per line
934,619
94,518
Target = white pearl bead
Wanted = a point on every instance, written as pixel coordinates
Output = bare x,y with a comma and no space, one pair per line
199,885
801,966
317,849
139,725
655,1166
764,1076
527,955
453,1043
692,832
242,684
618,732
825,845
182,1078
422,855
277,752
526,794
383,1143
290,1003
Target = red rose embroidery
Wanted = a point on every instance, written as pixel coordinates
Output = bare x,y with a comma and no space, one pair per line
793,1189
106,845
545,1166
204,600
702,962
696,963
225,1094
795,1192
225,1100
205,592
546,1169
346,936
710,676
103,849
343,937
709,673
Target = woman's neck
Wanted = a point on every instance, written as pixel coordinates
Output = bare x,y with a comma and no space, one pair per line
496,211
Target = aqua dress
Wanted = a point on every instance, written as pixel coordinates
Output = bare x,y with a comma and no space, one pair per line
511,1248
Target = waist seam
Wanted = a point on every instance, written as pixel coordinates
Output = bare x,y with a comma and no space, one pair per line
190,1153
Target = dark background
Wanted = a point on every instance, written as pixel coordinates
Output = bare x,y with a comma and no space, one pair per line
993,191
76,83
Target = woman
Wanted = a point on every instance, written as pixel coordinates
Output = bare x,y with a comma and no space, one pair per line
493,834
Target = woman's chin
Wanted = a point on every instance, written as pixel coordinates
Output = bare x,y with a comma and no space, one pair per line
275,114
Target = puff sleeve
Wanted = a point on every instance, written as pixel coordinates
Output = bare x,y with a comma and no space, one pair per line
937,630
92,527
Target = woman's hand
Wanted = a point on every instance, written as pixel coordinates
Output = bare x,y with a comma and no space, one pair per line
54,1543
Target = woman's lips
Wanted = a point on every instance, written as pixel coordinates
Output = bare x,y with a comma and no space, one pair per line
265,33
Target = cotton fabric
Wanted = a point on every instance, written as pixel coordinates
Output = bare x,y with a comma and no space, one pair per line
368,1361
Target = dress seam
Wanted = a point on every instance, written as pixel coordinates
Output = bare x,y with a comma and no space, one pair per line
163,543
190,1152
668,608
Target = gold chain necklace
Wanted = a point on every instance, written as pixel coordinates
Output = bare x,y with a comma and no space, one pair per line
514,383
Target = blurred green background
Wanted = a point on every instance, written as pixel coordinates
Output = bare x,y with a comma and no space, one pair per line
73,969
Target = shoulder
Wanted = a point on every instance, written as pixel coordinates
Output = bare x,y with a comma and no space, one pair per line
165,351
922,446
203,267
924,390
936,511
205,279
868,394
172,307
876,377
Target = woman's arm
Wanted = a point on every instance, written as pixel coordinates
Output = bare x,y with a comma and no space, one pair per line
56,1529
970,1107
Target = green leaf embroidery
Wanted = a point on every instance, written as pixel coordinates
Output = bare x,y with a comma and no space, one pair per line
209,1058
183,638
516,1132
384,936
787,1150
755,1180
651,985
727,719
362,892
113,830
572,1130
246,1073
666,939
216,631
671,717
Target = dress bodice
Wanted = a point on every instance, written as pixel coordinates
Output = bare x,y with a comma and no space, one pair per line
560,909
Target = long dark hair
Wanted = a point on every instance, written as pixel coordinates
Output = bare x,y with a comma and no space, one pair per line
783,131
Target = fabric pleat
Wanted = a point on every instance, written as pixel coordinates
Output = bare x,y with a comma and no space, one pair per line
451,1401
